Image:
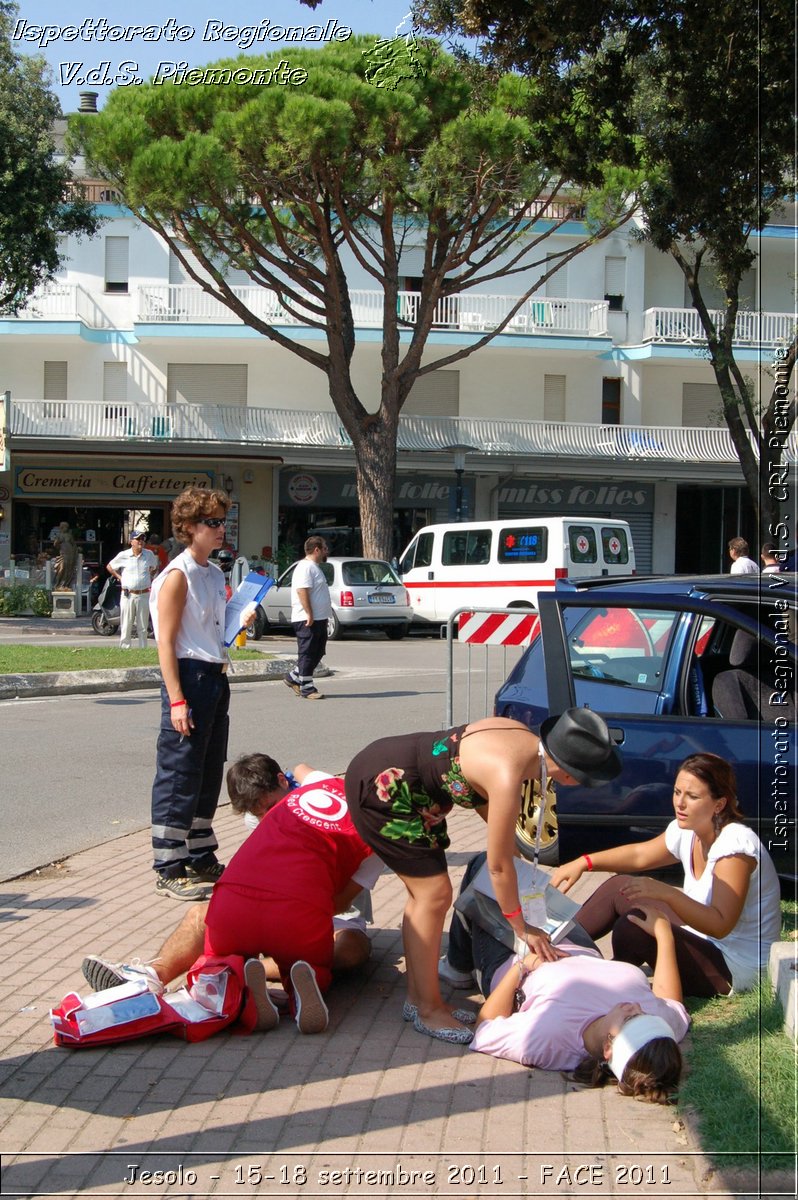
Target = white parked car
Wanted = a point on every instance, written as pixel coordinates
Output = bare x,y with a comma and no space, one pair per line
366,593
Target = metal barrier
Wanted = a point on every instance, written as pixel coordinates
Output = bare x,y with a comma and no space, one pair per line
493,640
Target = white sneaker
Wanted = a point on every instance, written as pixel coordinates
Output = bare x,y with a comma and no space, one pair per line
458,979
102,974
311,1011
255,976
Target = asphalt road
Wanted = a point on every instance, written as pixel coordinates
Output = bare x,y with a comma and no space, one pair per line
77,770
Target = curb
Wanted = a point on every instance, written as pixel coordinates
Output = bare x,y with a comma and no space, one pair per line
76,683
783,972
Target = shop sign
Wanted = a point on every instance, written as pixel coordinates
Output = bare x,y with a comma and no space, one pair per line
303,489
339,490
231,528
575,496
102,484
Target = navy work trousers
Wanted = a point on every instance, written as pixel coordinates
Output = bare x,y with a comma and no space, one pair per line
189,771
311,642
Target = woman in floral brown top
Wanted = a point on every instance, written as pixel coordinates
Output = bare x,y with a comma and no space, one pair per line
399,791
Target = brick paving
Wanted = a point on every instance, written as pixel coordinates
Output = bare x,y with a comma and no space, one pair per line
368,1108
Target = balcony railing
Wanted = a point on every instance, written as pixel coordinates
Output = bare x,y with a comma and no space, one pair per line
99,191
96,191
268,427
65,302
466,312
682,325
477,313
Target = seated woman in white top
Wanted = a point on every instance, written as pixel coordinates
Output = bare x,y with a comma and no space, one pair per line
596,1019
726,914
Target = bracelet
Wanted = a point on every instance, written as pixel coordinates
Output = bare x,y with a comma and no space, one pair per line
589,861
176,703
510,916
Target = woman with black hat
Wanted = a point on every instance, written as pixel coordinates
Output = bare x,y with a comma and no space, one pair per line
399,791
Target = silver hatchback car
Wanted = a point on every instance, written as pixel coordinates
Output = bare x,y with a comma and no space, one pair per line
366,593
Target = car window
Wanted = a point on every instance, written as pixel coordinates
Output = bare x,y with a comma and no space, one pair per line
419,553
453,549
466,546
529,545
620,645
614,544
287,576
582,544
368,573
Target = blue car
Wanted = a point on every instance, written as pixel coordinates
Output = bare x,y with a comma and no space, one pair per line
675,665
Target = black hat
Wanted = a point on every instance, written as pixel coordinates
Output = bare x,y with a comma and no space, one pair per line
579,742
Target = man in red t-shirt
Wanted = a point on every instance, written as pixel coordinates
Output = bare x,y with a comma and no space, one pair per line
278,894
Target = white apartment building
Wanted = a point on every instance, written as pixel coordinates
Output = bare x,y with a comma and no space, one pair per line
124,383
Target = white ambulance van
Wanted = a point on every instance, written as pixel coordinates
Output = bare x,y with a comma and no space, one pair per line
503,564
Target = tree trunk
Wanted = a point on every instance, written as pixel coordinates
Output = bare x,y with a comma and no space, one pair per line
373,437
375,454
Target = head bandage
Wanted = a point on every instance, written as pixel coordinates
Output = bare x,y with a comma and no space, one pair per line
633,1036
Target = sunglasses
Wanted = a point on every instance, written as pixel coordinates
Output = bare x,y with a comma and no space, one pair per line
212,522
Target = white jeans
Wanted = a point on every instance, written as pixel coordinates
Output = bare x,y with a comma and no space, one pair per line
134,610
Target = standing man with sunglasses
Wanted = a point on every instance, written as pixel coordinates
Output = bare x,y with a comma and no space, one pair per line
311,608
188,614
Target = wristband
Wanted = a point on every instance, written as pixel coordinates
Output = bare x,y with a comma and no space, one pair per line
589,861
510,916
176,703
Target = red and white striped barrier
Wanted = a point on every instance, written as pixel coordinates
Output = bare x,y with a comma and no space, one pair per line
497,629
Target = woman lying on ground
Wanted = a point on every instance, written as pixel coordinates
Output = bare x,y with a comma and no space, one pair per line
727,913
595,1018
400,790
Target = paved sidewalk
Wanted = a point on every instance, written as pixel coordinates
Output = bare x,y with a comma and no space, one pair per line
279,1113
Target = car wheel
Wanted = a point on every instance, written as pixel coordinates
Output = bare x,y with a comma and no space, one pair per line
334,633
258,627
396,632
100,624
527,827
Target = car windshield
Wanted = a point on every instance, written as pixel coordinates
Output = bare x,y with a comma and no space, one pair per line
620,645
368,573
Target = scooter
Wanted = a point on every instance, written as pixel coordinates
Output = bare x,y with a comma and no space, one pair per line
106,613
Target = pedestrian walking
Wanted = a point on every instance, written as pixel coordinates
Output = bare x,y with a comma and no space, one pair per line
771,561
742,564
311,608
134,568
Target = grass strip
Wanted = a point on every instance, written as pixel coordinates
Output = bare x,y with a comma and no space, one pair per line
34,660
741,1081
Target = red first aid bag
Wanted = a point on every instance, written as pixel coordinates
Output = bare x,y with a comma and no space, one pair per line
215,996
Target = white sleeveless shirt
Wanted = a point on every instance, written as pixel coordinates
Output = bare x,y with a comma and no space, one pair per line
201,632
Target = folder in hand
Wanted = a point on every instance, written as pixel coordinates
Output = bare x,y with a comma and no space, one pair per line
250,590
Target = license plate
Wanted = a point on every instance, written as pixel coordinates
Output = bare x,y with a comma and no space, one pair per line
382,598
